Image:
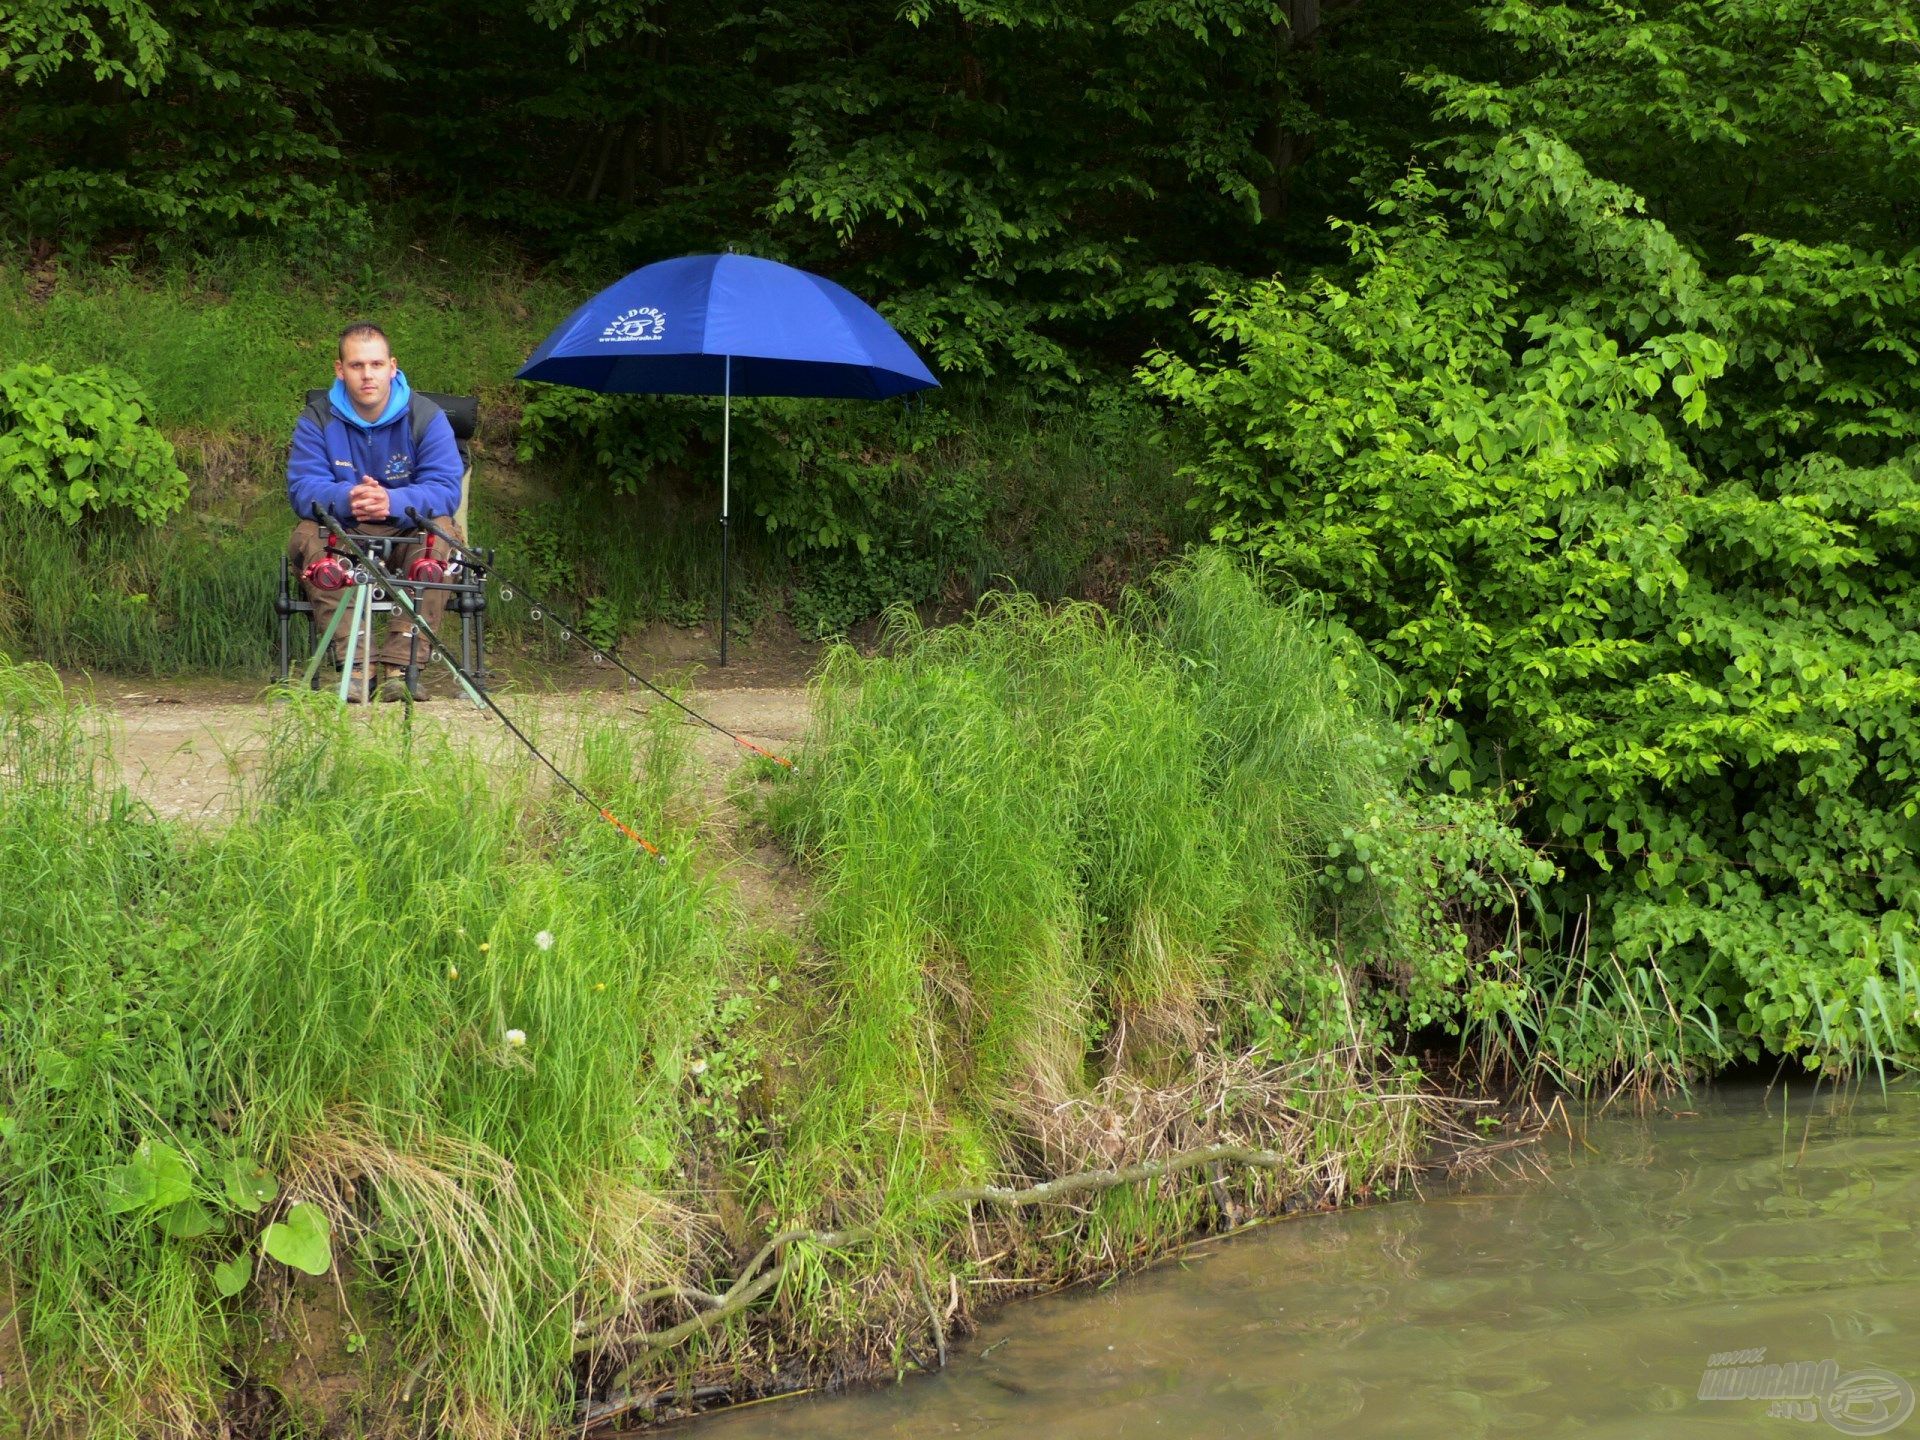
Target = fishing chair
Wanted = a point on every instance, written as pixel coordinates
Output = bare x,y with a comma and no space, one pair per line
465,582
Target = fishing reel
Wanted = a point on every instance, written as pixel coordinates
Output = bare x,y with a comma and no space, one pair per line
428,569
330,572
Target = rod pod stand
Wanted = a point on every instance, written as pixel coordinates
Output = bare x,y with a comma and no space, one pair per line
480,696
377,574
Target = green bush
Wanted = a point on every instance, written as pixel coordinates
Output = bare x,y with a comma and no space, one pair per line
83,443
819,476
1645,536
876,505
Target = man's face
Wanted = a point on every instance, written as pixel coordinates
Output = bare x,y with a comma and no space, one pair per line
365,366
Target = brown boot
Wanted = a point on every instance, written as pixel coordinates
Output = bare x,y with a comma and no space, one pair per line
399,686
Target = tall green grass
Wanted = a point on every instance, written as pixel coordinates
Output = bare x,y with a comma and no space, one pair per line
1080,497
189,598
1059,849
1095,885
196,595
1090,888
616,563
332,987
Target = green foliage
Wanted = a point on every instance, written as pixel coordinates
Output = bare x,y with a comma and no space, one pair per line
626,438
929,155
193,596
731,1064
820,477
875,505
158,1185
1056,842
302,1240
1413,882
1645,529
154,1179
214,1049
613,562
1734,118
83,444
837,590
230,1277
186,120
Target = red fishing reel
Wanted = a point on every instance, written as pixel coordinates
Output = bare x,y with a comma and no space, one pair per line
329,572
428,569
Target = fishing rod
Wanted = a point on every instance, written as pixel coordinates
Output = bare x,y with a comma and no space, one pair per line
568,629
378,572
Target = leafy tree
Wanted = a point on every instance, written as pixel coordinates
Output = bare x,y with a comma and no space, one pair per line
1633,499
183,121
1019,181
1035,188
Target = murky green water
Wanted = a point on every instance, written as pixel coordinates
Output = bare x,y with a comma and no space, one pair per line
1588,1304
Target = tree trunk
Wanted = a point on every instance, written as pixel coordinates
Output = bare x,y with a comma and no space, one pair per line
1283,148
600,168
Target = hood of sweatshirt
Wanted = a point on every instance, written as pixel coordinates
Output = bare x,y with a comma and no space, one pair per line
396,403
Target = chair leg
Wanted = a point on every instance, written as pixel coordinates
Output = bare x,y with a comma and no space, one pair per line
281,610
313,643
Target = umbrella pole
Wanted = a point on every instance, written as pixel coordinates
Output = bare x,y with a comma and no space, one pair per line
726,485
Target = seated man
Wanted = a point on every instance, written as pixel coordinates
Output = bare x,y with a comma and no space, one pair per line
371,454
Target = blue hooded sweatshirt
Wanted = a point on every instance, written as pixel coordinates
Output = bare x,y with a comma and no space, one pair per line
325,463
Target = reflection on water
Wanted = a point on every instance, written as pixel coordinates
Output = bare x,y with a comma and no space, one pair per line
1587,1304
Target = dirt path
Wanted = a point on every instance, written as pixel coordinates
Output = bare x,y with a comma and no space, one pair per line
186,749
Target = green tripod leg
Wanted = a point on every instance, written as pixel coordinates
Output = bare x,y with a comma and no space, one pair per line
362,606
326,639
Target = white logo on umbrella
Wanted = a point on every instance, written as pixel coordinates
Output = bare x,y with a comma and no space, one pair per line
645,323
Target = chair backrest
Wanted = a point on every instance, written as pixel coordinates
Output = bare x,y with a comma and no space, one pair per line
463,414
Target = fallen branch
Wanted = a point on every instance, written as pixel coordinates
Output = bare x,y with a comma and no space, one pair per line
756,1280
751,1285
1005,1195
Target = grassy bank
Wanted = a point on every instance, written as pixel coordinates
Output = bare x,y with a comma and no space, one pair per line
575,1138
327,998
227,350
840,509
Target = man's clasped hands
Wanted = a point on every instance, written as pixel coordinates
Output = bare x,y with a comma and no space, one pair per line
369,499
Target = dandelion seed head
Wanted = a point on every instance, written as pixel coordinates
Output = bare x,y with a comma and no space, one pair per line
544,940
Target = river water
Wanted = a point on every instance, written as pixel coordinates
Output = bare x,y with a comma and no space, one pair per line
1591,1302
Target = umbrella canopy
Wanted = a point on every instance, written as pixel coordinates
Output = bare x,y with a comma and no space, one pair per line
728,324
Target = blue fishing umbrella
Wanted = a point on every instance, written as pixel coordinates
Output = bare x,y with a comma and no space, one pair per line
728,325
